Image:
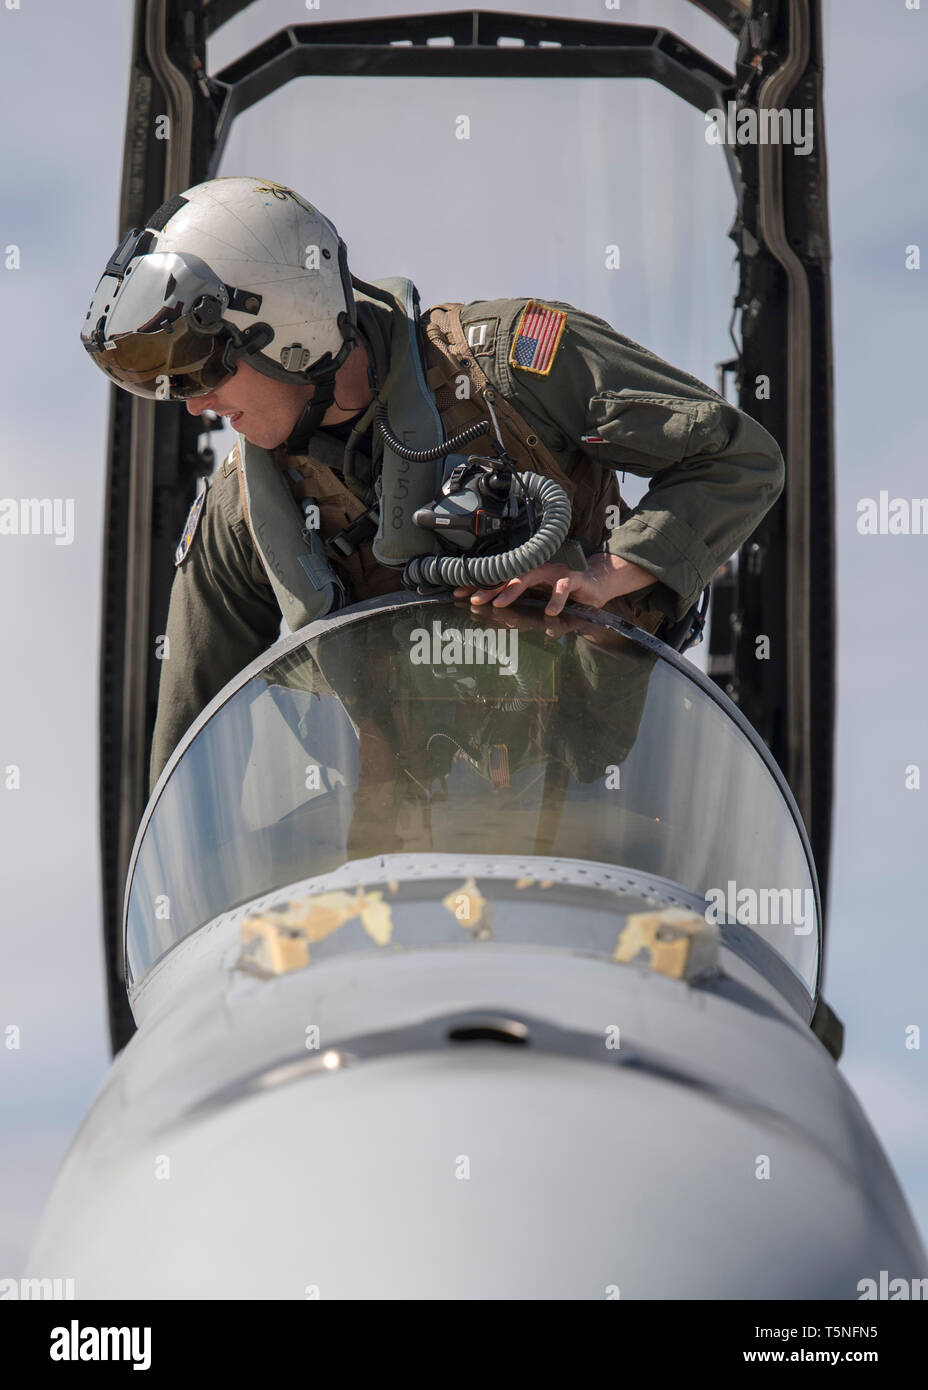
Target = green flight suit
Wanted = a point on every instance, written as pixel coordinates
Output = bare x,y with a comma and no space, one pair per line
714,471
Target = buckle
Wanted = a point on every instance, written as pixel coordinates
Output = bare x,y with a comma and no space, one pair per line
346,542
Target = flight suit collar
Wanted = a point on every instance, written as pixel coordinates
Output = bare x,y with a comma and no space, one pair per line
376,323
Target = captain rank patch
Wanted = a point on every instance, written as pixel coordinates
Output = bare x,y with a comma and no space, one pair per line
481,336
537,338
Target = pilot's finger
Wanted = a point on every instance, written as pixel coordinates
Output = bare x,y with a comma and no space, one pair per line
511,591
558,596
480,596
544,577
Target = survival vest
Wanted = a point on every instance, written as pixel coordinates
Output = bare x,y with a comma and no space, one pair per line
305,565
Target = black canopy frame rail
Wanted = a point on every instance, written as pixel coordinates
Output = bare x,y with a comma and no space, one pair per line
783,583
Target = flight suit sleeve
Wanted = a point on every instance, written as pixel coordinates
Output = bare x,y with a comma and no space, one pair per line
222,614
714,471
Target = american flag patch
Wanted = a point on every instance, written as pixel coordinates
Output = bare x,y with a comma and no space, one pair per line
538,338
499,765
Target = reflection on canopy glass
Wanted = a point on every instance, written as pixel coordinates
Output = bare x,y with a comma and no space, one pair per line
420,729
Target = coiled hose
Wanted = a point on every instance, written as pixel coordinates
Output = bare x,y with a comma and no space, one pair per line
438,451
451,571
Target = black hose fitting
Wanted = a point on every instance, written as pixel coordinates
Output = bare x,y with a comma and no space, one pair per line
454,571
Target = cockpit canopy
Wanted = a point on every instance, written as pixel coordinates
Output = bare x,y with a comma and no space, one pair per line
418,726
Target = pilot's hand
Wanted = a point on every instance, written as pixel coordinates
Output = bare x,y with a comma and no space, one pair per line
606,577
558,625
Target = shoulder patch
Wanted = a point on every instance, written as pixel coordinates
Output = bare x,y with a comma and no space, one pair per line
190,525
537,338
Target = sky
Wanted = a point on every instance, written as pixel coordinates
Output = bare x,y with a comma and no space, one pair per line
552,174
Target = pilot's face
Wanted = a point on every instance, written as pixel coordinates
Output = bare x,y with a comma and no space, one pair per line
263,410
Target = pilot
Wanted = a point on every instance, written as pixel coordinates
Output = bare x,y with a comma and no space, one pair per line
236,298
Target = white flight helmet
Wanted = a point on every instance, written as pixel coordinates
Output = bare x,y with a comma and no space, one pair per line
234,268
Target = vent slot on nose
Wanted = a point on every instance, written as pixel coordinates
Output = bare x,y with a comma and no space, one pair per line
497,1030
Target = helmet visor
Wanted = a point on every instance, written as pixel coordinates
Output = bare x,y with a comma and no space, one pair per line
144,327
173,363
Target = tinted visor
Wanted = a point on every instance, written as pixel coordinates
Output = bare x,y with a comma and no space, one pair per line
170,364
145,330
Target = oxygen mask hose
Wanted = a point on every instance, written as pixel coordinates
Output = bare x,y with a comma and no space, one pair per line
486,571
439,451
453,571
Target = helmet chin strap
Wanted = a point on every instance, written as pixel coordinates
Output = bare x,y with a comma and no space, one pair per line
323,397
311,419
